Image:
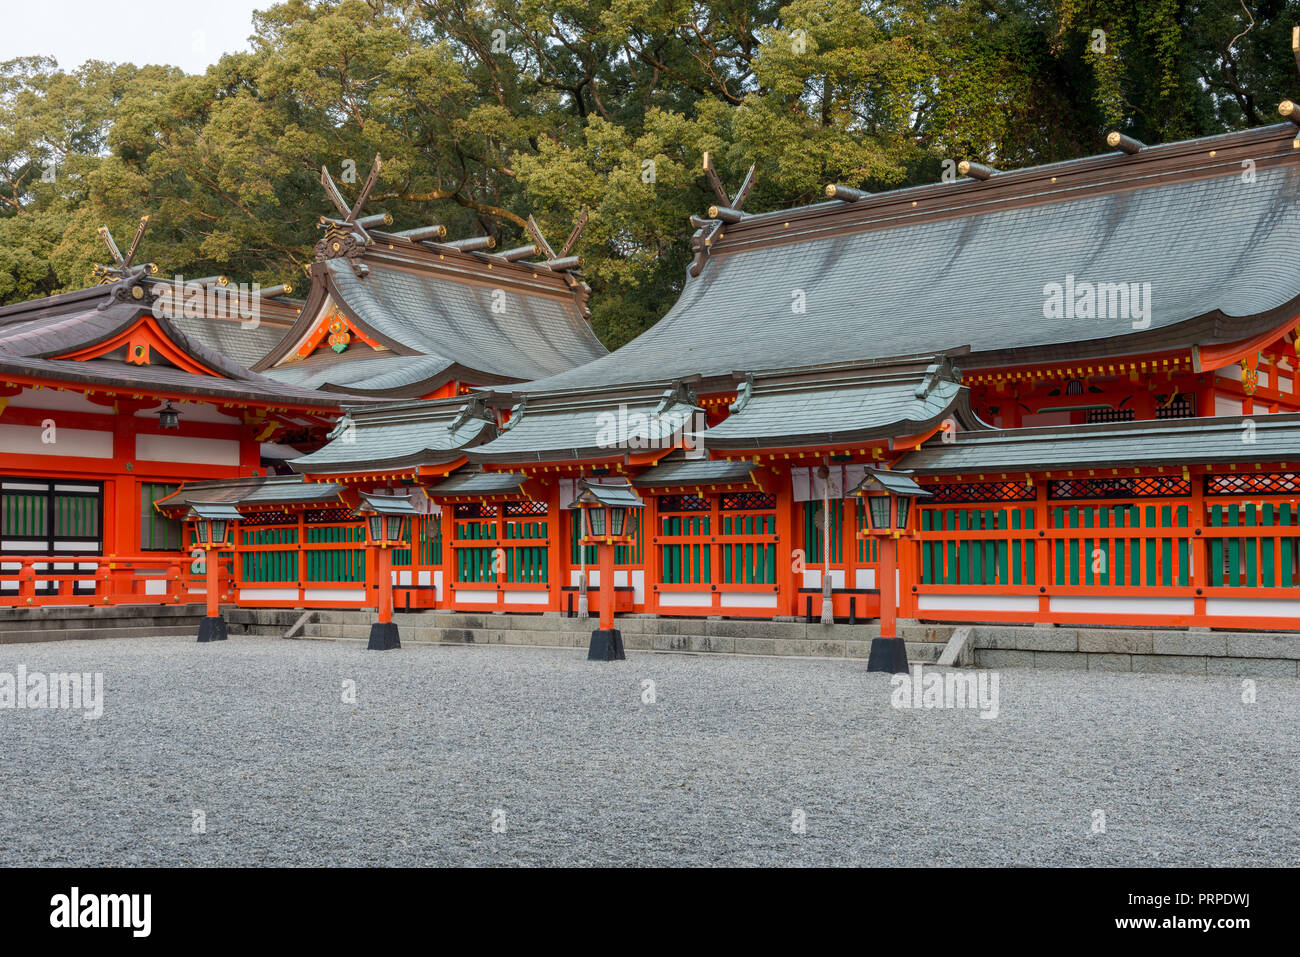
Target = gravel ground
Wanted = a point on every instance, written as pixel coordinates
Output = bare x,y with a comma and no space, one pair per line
254,732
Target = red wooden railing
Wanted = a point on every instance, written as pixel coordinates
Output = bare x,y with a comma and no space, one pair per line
40,580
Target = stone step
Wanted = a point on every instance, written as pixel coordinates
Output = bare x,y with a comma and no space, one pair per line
725,627
59,617
174,626
859,647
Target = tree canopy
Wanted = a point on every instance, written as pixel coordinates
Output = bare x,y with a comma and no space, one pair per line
486,111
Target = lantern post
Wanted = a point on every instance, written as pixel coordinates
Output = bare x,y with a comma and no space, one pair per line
214,529
387,520
605,513
889,496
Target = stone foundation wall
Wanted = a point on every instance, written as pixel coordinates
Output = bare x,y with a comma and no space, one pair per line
1167,652
1198,652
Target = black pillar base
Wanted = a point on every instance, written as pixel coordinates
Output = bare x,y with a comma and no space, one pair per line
889,655
383,636
212,629
606,645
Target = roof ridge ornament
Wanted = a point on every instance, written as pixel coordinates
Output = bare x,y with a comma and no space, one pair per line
347,238
475,408
341,427
743,394
122,268
1127,144
976,170
944,370
728,209
555,262
846,193
679,393
516,413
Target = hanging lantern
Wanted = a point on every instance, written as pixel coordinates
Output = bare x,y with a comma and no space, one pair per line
387,519
169,418
214,525
889,496
606,509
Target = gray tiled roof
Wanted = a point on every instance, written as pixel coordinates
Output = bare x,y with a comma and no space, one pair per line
686,472
30,338
385,373
479,483
272,490
500,332
230,339
1257,438
977,279
578,427
843,406
390,436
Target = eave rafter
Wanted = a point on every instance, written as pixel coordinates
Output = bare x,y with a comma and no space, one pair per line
120,396
876,450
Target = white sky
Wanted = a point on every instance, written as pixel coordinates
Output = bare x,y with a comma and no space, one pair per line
190,34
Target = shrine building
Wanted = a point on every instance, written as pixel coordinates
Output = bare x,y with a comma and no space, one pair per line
1089,368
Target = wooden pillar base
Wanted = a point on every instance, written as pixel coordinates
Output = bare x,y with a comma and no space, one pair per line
606,645
383,636
888,655
212,628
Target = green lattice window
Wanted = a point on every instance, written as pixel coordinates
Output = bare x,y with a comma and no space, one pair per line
685,563
158,533
1110,558
345,562
270,564
37,515
754,562
980,561
814,526
868,545
1268,556
431,540
26,514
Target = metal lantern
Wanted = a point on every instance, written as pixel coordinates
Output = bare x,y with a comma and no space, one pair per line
213,524
606,509
169,418
889,496
387,519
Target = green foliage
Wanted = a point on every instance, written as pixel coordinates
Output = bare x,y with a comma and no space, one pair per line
486,111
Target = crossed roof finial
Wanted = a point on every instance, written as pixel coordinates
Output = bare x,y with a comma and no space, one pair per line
545,248
348,237
352,214
728,209
121,267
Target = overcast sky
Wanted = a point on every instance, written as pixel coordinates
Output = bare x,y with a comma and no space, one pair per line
185,33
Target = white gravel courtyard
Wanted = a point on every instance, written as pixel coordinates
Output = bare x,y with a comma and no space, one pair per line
499,755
